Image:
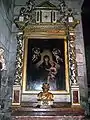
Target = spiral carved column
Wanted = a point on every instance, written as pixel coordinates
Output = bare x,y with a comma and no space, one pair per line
19,58
19,64
72,59
75,95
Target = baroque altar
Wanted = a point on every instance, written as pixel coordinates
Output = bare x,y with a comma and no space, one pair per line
46,54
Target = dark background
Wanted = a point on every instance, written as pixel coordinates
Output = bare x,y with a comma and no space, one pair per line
35,77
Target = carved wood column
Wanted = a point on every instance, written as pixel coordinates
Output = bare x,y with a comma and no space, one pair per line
75,94
19,64
72,59
19,59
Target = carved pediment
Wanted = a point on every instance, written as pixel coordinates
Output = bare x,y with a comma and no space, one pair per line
46,4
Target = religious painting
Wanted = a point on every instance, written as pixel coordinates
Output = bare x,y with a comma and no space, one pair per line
45,64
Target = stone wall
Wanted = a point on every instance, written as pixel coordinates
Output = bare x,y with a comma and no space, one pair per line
7,42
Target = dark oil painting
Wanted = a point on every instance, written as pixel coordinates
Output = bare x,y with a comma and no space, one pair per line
45,64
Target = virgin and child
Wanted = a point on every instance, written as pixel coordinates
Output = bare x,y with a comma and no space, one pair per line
48,70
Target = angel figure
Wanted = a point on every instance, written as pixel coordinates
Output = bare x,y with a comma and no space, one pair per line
57,54
35,54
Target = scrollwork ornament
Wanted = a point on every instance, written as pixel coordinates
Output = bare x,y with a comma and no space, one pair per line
25,15
63,11
19,58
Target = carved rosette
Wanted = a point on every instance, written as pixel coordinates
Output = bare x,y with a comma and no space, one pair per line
19,58
72,59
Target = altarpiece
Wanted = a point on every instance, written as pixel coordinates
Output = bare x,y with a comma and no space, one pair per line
46,53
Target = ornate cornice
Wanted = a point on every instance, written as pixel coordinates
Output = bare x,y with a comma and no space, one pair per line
58,28
46,26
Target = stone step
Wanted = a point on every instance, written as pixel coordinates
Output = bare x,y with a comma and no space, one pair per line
48,117
55,104
27,111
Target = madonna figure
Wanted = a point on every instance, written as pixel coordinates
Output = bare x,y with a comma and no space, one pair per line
48,71
46,63
44,67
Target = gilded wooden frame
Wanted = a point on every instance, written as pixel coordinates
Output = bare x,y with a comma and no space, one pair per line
45,36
